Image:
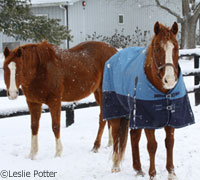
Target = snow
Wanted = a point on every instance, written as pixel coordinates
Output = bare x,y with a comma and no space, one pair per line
189,51
77,161
1,60
20,104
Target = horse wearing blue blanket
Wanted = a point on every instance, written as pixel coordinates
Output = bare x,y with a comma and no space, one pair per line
143,88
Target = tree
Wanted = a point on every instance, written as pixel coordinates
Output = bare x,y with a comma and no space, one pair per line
16,20
187,17
188,20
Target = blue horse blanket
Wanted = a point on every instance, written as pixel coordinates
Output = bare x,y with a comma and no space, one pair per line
128,93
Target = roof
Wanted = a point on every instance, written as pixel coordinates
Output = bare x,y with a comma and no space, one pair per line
52,2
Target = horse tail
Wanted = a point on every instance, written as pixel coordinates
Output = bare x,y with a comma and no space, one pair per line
123,136
120,136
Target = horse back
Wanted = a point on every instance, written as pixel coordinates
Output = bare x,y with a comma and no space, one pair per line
99,52
83,67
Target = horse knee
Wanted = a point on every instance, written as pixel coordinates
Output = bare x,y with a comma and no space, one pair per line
152,147
102,123
56,130
135,135
34,128
169,142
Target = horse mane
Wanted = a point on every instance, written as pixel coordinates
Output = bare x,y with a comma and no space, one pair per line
40,53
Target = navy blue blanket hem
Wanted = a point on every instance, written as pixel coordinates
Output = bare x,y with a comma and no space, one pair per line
116,117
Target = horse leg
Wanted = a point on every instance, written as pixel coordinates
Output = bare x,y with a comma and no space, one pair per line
152,147
120,135
35,111
115,126
110,138
135,138
97,142
102,123
169,144
55,110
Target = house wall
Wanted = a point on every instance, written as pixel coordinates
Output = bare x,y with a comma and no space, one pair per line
101,16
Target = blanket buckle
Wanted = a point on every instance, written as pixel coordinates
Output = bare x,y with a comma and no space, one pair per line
168,96
169,108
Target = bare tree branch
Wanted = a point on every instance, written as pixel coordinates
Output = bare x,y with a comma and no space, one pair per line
197,10
169,11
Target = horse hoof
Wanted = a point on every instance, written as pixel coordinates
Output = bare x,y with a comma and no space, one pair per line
110,143
172,176
152,178
140,173
95,149
32,156
58,154
115,169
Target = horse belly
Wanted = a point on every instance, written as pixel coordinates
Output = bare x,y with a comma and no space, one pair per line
79,91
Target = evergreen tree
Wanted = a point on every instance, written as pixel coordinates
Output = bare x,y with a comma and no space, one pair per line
16,20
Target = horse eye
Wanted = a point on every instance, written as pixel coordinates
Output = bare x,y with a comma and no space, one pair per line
157,50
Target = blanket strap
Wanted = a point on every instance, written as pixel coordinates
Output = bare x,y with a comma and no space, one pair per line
167,96
134,99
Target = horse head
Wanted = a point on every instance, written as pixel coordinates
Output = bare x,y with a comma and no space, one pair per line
164,52
12,70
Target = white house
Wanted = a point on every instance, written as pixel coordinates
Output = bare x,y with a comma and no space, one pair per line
101,16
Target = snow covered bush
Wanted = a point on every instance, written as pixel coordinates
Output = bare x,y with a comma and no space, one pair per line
120,40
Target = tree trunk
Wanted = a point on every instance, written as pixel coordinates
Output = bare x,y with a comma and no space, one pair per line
188,34
188,20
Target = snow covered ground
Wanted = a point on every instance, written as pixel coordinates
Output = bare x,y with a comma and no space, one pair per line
78,162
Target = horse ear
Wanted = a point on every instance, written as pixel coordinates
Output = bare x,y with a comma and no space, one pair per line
156,28
174,28
6,51
19,52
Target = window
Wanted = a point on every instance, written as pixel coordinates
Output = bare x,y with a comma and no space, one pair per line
121,19
45,15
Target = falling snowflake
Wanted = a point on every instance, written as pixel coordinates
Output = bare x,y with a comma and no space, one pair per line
108,65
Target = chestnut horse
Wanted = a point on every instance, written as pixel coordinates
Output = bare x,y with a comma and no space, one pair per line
163,76
49,75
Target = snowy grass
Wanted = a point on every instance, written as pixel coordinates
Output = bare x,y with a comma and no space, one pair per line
78,162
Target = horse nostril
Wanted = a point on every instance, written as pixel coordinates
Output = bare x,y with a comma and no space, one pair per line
17,92
166,80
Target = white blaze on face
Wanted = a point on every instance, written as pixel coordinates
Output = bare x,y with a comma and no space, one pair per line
169,78
13,92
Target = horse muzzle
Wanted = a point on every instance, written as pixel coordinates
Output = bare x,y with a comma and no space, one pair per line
12,94
169,82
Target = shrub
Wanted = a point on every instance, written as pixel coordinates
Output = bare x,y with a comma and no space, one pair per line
120,40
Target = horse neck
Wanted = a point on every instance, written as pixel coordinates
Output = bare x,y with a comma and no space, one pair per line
151,71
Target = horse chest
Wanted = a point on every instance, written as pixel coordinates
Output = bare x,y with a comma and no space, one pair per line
35,94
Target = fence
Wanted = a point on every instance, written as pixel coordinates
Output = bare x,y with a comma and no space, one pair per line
196,72
19,107
70,107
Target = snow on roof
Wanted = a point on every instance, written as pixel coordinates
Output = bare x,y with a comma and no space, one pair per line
44,2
